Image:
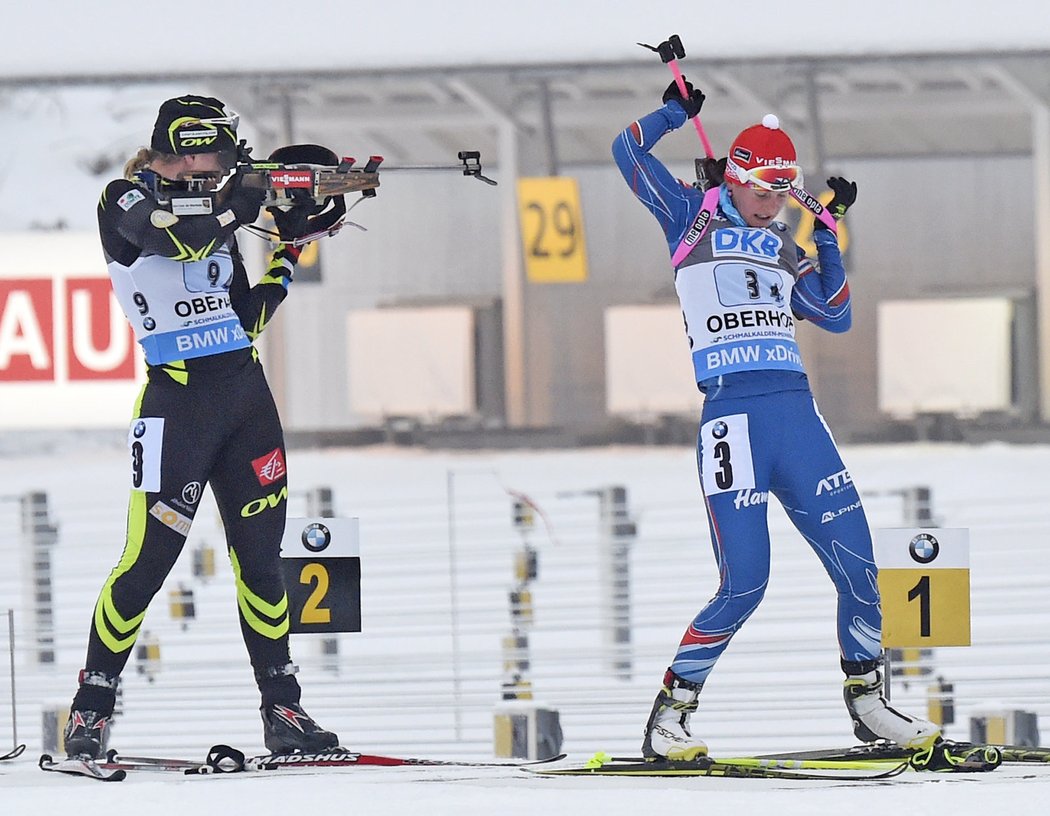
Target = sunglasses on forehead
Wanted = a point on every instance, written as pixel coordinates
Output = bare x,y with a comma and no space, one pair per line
230,120
768,177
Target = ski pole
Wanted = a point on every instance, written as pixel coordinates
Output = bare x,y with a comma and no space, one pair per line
671,50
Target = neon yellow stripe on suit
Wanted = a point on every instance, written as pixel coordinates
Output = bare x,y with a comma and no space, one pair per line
260,324
176,369
138,401
107,619
188,253
246,600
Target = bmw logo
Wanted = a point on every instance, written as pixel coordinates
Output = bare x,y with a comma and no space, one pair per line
720,430
139,430
924,548
149,324
316,537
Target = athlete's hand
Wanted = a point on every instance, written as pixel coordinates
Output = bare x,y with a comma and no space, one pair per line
291,223
245,202
844,198
690,105
845,194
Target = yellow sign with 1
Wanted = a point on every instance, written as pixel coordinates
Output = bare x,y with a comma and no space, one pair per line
924,580
552,230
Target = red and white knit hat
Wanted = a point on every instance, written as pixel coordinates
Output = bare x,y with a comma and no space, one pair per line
763,155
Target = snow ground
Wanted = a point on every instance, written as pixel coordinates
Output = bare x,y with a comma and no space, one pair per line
998,491
24,791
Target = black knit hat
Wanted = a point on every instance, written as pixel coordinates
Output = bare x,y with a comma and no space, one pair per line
194,124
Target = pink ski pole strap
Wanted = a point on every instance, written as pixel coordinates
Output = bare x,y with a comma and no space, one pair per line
810,202
699,226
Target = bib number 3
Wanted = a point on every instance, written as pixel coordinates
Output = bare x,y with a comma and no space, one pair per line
725,455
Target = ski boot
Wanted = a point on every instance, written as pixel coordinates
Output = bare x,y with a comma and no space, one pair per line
87,730
288,729
873,718
86,734
667,733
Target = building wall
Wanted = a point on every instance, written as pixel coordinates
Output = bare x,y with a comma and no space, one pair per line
943,227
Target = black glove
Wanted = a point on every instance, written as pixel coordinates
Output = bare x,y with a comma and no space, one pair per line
692,105
845,196
245,202
292,223
307,216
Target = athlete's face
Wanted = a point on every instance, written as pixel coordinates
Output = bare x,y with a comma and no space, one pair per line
756,206
180,168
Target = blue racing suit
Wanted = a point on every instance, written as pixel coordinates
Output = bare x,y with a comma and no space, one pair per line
742,289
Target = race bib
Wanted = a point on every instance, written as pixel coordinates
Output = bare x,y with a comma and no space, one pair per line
725,455
145,444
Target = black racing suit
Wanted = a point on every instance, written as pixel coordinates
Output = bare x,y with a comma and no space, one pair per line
204,416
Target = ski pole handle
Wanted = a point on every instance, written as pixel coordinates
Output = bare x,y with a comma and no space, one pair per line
680,81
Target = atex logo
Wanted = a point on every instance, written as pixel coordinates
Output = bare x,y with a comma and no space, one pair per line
834,483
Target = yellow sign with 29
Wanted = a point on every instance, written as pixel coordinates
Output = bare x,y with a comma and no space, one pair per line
552,230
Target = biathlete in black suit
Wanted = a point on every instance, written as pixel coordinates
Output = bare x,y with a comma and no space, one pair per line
205,415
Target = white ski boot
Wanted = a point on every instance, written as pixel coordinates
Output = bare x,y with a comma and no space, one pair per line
874,718
667,733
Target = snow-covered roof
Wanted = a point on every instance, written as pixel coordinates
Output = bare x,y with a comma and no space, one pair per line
69,39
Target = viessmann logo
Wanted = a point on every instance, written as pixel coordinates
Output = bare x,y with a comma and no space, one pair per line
288,178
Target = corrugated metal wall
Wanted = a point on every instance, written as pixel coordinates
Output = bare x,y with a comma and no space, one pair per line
931,227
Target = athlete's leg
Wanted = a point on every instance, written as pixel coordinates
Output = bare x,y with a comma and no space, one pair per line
735,487
250,483
251,488
732,475
818,493
169,455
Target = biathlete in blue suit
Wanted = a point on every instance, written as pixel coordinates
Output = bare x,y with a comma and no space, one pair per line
743,283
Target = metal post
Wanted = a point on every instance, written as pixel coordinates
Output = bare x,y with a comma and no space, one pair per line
39,536
320,504
887,671
548,127
618,533
515,372
11,651
453,590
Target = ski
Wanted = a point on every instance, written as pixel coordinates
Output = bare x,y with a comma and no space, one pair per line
1016,753
944,756
14,752
82,767
602,764
341,758
224,759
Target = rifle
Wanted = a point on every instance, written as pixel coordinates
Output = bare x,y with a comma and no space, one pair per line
290,184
